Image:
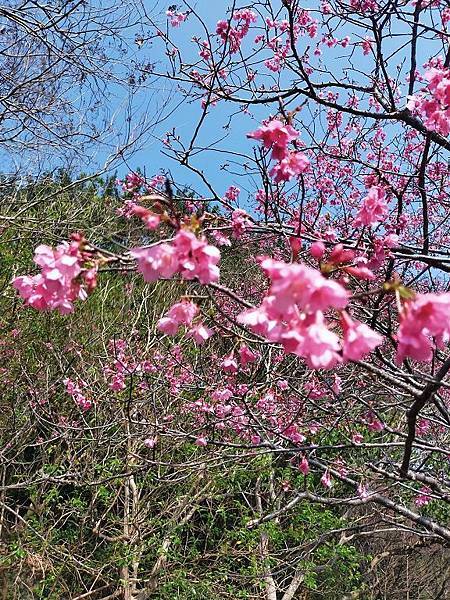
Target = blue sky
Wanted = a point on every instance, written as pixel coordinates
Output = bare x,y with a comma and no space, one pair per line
185,117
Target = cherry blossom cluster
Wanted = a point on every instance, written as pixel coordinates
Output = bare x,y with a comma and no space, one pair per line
234,35
66,275
188,255
132,182
341,259
183,313
424,325
176,18
150,219
434,105
75,389
240,222
292,313
276,135
374,207
424,497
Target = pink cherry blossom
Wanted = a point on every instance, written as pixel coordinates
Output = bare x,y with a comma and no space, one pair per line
298,284
196,257
176,18
59,283
289,167
426,316
168,326
74,389
234,35
149,218
247,356
326,480
374,207
156,262
424,497
192,257
359,339
433,104
319,346
151,442
181,313
220,238
201,441
277,136
304,466
239,221
229,364
199,333
232,193
317,250
295,242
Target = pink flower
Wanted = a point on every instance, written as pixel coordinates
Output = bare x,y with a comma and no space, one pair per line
176,18
232,193
317,250
292,314
221,394
299,284
282,384
118,382
220,238
373,424
235,35
151,220
229,364
337,387
189,255
199,333
196,257
425,317
424,497
151,442
240,221
201,441
374,207
75,390
304,466
326,480
367,46
292,165
434,106
181,313
277,136
357,438
83,402
59,282
247,356
341,255
360,272
295,242
359,339
167,326
362,491
320,346
156,262
258,318
422,427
